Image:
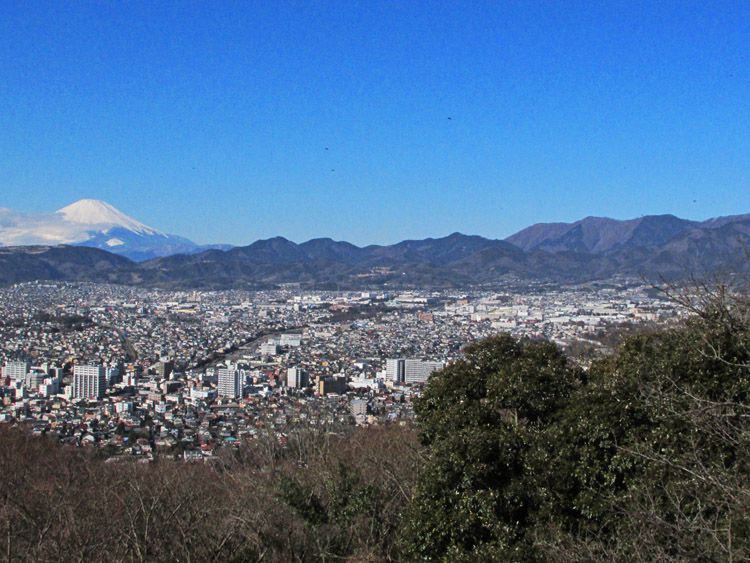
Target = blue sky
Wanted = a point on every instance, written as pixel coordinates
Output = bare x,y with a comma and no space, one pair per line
375,121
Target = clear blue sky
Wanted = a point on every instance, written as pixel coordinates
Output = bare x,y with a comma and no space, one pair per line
211,119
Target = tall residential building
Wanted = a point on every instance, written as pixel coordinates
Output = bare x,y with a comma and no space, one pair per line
230,383
418,371
16,370
394,370
410,371
297,378
89,382
164,368
332,384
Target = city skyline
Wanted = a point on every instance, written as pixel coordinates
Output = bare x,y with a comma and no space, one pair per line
375,123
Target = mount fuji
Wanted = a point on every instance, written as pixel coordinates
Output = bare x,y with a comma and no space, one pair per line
94,223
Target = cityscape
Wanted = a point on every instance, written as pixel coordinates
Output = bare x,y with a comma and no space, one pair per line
180,374
374,281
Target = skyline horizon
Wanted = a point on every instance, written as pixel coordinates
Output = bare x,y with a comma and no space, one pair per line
375,122
361,244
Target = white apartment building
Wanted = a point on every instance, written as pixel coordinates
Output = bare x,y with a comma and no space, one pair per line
16,370
230,383
297,378
410,371
89,382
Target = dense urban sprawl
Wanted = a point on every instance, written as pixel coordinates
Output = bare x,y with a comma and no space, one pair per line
149,372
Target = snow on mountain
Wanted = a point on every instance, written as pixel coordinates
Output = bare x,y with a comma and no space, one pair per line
94,212
90,222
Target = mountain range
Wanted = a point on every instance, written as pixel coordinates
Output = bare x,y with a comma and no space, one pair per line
594,248
600,235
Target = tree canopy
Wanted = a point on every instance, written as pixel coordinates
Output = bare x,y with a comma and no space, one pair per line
643,456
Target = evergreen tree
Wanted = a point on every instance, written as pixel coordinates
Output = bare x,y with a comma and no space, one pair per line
480,419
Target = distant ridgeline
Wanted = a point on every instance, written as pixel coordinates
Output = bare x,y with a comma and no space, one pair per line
653,247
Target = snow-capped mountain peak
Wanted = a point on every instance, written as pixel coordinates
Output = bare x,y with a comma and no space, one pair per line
91,222
99,213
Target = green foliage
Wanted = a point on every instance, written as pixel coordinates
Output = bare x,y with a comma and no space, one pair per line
481,418
646,456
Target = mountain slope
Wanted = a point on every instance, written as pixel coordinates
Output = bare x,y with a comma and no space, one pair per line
598,235
590,249
440,251
93,223
93,212
64,263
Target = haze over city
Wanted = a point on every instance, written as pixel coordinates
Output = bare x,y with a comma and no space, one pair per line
375,122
